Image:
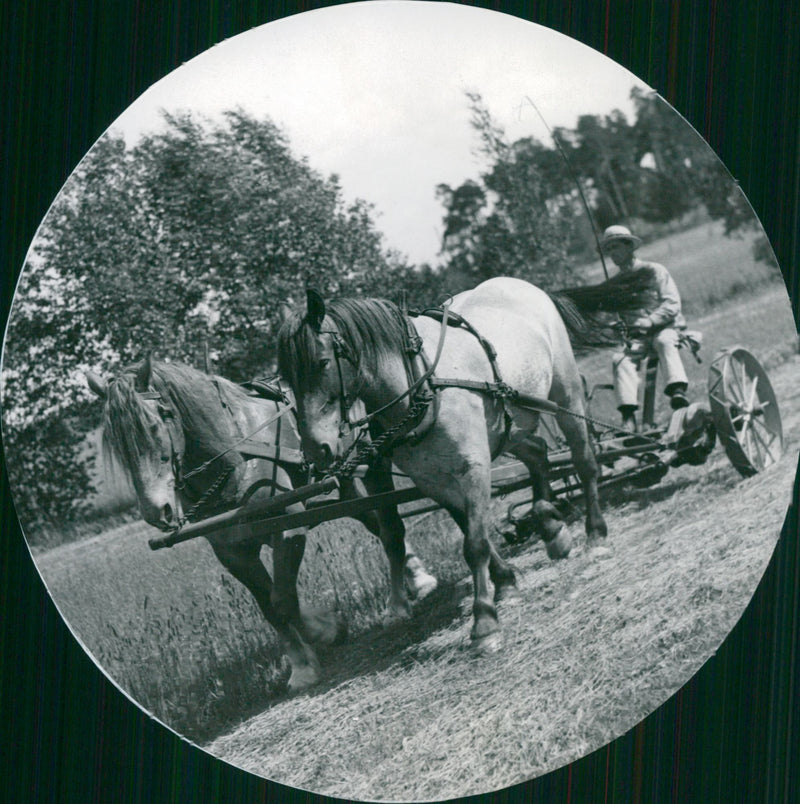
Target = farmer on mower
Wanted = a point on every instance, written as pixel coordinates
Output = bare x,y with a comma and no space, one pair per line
655,327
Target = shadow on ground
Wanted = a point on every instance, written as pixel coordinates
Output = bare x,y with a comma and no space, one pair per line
382,647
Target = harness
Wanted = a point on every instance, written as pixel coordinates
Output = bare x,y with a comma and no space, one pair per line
498,389
421,392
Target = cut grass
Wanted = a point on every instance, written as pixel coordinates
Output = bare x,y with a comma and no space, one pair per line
592,647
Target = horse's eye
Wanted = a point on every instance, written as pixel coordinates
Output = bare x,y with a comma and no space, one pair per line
324,363
165,459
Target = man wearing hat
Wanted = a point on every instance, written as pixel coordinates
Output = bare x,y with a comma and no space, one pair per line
656,325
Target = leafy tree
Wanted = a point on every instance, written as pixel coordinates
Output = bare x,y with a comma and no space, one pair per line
517,221
599,150
686,172
525,217
190,239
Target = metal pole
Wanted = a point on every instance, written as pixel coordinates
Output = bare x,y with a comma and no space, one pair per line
577,183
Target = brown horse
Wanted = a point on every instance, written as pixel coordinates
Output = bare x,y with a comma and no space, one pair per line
174,431
334,353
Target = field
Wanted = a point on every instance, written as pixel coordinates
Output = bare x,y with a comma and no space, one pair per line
592,647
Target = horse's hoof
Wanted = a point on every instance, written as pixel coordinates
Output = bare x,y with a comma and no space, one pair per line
396,613
551,530
422,585
596,550
485,645
560,546
302,678
323,626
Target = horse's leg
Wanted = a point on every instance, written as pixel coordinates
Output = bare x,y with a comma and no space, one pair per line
418,581
315,624
404,566
244,563
472,518
544,517
386,523
577,435
502,575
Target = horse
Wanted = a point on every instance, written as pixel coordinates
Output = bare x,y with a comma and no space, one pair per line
444,402
174,432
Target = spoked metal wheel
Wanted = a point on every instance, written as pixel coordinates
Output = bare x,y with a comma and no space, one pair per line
745,410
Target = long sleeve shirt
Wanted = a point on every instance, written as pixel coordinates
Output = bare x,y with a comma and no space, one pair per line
664,309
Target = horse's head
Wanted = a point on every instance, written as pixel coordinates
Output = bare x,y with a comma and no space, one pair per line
143,436
317,357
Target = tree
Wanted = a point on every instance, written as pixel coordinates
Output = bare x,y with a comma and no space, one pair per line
193,237
518,220
686,172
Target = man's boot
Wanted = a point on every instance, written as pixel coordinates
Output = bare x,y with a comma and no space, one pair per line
676,392
629,418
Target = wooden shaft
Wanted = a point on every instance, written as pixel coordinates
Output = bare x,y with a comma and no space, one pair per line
245,513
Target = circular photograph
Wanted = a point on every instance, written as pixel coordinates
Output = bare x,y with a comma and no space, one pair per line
399,401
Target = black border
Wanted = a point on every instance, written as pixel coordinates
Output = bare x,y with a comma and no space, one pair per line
68,70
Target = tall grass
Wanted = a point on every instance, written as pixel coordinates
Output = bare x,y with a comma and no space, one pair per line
187,642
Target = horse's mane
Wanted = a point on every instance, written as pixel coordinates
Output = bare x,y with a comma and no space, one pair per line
371,329
198,400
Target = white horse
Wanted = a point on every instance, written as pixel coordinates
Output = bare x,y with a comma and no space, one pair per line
510,334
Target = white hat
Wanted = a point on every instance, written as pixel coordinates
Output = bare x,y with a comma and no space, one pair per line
616,233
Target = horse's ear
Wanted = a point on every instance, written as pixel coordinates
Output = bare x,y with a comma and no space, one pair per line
143,374
315,305
97,384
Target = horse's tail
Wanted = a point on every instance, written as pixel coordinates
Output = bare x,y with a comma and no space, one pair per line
624,293
586,331
587,311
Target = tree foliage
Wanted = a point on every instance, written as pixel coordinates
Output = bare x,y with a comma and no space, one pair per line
685,166
534,208
517,220
189,241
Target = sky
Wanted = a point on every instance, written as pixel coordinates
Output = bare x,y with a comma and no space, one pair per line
375,92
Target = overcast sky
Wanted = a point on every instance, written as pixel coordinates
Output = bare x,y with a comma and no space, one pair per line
374,92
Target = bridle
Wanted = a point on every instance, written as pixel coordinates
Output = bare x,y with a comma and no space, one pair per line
177,459
420,400
341,351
